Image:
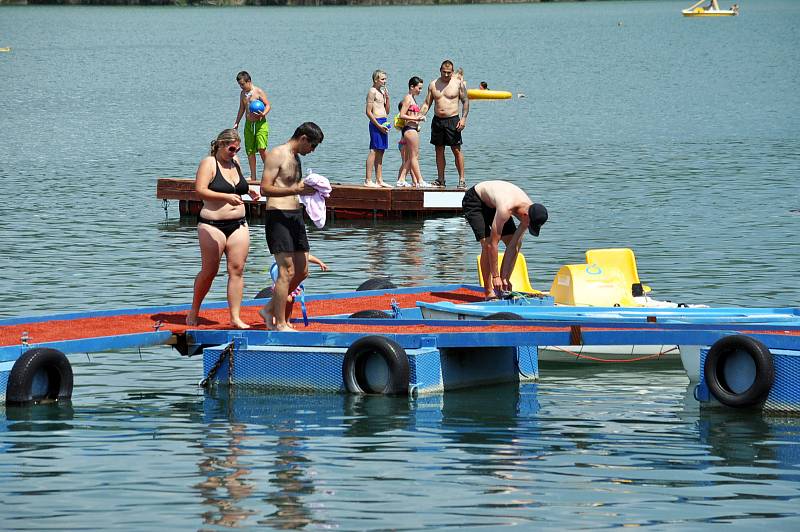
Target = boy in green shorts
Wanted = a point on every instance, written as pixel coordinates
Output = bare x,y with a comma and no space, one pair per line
256,127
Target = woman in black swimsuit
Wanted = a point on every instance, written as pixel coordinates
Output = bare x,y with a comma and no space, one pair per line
221,226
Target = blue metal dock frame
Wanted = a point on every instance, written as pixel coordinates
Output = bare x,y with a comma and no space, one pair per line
439,360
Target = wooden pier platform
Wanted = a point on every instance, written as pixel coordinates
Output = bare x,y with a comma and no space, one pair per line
346,201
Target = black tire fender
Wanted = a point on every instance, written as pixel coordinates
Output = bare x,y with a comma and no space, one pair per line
361,353
378,283
265,293
371,314
503,316
40,374
714,371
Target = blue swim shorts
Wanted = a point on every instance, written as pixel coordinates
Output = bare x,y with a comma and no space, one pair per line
378,140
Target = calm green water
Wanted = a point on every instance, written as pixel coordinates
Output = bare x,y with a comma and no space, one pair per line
677,138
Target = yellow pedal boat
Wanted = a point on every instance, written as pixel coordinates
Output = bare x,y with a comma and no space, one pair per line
711,10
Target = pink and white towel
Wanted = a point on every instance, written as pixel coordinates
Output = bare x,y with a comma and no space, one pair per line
315,203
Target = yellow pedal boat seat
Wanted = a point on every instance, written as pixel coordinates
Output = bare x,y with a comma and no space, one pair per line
520,281
621,259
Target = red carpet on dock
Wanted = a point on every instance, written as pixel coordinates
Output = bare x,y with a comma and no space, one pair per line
74,329
217,319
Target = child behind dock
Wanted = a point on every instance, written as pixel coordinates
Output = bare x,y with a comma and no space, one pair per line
256,127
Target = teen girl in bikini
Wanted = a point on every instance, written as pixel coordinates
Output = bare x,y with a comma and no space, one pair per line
410,113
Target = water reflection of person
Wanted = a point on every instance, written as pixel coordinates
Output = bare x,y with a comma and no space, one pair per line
227,474
412,255
289,477
447,237
377,260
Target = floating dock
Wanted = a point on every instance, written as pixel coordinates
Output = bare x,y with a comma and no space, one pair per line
400,353
346,201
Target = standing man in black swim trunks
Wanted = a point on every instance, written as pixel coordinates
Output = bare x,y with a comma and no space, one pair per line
282,183
445,93
488,208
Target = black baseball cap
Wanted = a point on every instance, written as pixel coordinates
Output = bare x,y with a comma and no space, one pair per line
537,215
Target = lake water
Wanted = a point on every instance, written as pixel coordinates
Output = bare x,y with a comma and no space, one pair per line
676,137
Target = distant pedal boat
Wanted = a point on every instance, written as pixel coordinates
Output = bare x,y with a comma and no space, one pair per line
712,10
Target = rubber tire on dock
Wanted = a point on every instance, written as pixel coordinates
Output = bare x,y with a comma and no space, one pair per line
40,374
377,283
354,372
371,314
503,316
265,293
714,371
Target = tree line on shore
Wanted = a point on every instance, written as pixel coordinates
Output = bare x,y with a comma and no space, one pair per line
262,2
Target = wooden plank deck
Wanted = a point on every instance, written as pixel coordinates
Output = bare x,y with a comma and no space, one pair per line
346,201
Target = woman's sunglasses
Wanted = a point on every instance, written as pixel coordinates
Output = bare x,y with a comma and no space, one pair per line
233,149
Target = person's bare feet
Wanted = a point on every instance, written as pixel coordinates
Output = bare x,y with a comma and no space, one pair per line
269,320
284,328
239,324
191,319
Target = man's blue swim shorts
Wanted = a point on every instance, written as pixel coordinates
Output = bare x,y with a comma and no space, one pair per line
378,140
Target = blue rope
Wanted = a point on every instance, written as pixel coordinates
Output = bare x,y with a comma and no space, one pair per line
303,304
396,309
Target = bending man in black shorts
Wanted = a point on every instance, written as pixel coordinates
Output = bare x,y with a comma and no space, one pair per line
281,183
488,208
445,93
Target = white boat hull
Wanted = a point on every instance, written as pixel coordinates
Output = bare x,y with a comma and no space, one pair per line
710,13
606,354
690,358
584,354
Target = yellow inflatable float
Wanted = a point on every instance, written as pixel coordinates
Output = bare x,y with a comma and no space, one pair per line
486,94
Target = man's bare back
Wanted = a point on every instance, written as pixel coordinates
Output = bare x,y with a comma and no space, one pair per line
502,195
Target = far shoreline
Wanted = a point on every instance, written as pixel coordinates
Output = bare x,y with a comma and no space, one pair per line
266,3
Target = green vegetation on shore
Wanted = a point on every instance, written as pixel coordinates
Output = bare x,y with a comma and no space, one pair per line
261,2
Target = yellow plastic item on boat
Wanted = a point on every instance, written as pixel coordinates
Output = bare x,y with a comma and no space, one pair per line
399,123
485,94
622,259
589,285
520,281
